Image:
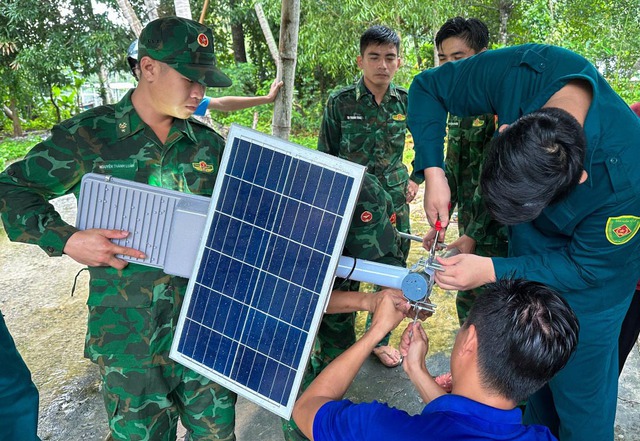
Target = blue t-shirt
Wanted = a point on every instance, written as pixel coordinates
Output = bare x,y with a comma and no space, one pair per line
449,417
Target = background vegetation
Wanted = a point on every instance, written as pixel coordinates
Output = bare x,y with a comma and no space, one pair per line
49,48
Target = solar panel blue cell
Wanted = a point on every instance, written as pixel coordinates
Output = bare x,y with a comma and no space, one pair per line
297,179
310,189
202,343
187,342
275,229
282,383
341,186
236,164
266,214
250,162
213,303
226,204
279,170
323,188
257,371
220,270
266,160
291,356
243,365
329,225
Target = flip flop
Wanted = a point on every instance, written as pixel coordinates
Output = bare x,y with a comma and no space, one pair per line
386,356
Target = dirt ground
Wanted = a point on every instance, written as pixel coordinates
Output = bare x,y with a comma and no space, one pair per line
48,325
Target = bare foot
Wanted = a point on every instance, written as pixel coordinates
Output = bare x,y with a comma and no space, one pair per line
388,356
445,381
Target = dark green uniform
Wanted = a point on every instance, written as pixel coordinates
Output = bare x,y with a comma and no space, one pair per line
356,128
132,312
586,246
18,394
467,143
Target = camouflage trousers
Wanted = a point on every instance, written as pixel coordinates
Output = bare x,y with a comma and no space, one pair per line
465,299
145,404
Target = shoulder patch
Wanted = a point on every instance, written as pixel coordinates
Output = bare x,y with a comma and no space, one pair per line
621,229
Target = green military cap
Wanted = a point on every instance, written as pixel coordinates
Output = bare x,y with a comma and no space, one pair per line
186,46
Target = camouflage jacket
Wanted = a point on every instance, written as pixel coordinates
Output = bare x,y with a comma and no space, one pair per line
132,312
356,128
467,143
372,235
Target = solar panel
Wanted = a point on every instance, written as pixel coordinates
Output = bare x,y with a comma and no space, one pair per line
274,234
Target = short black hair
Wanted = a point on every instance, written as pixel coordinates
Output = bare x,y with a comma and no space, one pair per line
379,35
526,333
473,31
535,162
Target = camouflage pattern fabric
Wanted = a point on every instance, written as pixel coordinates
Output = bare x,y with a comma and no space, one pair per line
356,128
132,312
467,142
185,45
371,237
144,404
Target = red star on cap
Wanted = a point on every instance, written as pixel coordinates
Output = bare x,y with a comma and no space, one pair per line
203,40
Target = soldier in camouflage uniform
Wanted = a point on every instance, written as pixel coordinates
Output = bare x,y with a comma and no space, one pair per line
366,123
147,137
467,142
372,237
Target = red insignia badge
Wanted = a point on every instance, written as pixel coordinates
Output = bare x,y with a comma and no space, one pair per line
203,40
622,231
392,219
202,166
366,216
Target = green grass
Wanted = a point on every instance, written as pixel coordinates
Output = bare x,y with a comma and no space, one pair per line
15,148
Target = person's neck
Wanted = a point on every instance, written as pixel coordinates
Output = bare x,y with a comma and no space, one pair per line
159,123
476,393
378,92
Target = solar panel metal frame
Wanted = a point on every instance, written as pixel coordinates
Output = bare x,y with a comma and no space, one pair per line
238,134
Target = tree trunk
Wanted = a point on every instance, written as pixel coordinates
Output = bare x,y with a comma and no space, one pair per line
152,9
237,36
103,78
289,25
505,8
271,42
55,105
15,119
237,39
130,16
416,48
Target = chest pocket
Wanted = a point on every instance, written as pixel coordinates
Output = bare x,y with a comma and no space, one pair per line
355,137
121,168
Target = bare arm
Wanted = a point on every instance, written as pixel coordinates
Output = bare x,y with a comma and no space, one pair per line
350,301
414,347
335,379
231,103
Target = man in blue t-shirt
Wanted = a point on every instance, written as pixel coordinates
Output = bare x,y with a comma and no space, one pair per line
517,336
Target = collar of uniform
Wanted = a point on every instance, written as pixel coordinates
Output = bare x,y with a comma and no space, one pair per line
128,121
362,90
183,127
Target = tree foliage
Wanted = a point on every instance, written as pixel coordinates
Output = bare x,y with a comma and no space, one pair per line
49,44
